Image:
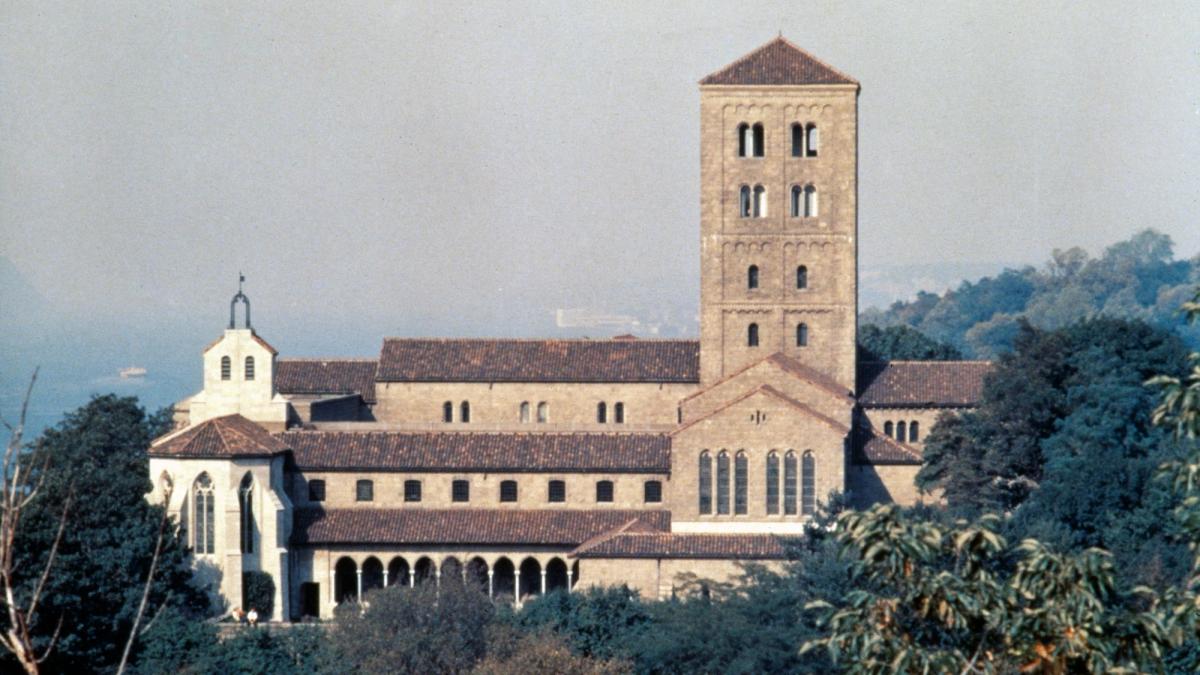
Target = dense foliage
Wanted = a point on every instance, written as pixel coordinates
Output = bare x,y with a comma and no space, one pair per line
1134,279
901,342
98,473
258,591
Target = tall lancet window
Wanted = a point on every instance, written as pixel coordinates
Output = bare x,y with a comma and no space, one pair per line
752,277
705,474
226,368
741,467
249,367
789,484
808,501
723,484
203,526
246,505
772,483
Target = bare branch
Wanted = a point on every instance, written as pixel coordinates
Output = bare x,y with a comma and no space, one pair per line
62,527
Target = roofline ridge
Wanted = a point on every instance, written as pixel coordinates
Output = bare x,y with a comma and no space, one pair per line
778,38
600,340
988,361
812,56
328,358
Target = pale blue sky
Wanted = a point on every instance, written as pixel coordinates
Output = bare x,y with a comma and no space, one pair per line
463,166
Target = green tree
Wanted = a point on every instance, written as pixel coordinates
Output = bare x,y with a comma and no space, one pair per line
96,467
901,343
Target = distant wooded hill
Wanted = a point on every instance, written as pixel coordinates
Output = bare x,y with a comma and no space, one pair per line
1135,279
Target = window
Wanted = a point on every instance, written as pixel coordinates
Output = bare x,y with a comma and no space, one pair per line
759,139
752,335
558,491
412,490
653,491
887,429
797,201
901,431
772,484
813,141
810,201
508,490
524,412
464,412
797,140
802,335
246,508
316,490
543,412
752,277
460,491
604,491
249,367
705,473
723,484
802,277
601,413
914,434
226,368
808,499
364,491
745,140
740,467
619,412
760,201
744,202
789,484
447,412
203,525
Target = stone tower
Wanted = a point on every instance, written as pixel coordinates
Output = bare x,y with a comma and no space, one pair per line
778,214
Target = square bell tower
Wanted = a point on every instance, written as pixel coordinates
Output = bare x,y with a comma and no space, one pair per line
778,214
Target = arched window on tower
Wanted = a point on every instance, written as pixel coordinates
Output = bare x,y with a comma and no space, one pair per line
226,367
887,429
745,140
723,484
752,335
524,411
745,207
914,433
772,483
797,140
249,367
810,201
464,412
619,412
740,479
789,484
801,277
447,412
760,201
705,475
759,140
813,142
543,412
797,209
601,413
901,431
203,524
752,277
802,335
808,492
246,507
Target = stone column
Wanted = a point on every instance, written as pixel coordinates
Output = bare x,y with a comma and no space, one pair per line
517,587
570,575
412,577
358,573
543,581
385,577
490,574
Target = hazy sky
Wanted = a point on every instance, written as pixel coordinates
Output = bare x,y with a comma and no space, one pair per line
449,165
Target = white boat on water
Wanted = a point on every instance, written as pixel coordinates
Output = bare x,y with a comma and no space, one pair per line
132,371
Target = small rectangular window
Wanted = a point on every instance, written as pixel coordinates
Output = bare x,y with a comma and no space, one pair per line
508,490
460,491
604,491
364,491
619,413
558,491
653,491
316,490
412,490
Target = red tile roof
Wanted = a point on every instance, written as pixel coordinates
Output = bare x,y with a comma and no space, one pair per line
668,545
478,451
228,436
872,448
921,384
778,62
485,527
775,393
462,360
329,377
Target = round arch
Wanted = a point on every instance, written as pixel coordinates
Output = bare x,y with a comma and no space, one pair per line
504,580
372,574
397,572
531,578
345,580
556,575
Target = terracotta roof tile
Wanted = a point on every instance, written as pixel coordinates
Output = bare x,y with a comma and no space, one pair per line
478,451
461,360
228,436
778,62
872,448
326,377
921,384
490,527
668,545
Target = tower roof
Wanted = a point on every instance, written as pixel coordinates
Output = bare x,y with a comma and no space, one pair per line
778,62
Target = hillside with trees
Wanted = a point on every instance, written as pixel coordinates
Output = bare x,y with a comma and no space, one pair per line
1135,279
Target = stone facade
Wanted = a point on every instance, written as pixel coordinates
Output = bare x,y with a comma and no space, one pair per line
533,465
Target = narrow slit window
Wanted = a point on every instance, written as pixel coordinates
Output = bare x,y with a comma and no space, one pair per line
752,335
752,277
797,140
705,474
797,201
464,412
601,413
543,412
789,484
740,480
760,139
723,484
801,277
744,202
619,413
772,484
802,335
745,140
887,429
809,493
524,412
901,431
447,412
914,433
